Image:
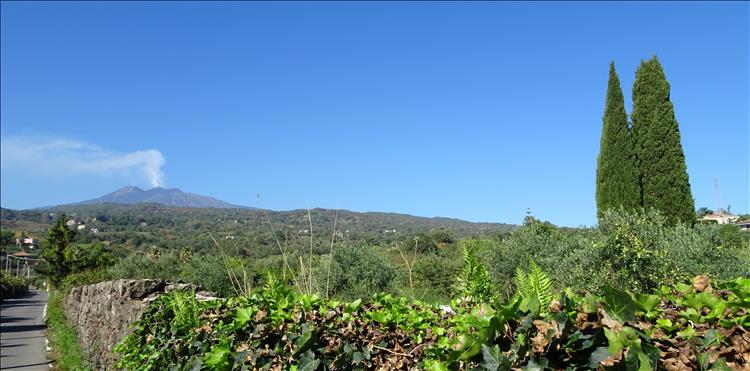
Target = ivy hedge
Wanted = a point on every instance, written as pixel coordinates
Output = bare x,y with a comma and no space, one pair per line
686,327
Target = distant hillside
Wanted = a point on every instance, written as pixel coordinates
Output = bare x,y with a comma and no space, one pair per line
131,195
251,230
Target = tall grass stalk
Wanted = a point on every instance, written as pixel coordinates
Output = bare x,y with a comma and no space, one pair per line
240,288
330,252
305,280
410,264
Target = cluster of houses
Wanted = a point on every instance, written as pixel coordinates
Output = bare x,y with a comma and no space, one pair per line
79,225
722,217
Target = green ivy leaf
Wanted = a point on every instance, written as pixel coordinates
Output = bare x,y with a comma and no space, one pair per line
619,304
353,306
687,333
494,359
433,365
615,341
471,346
643,361
535,365
597,356
305,340
647,303
243,316
308,362
217,358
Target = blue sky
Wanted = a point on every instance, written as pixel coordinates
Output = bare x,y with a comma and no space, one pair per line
475,110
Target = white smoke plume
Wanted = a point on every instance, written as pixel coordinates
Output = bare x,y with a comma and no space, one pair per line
61,157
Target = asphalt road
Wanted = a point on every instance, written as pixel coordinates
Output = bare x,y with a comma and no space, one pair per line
22,332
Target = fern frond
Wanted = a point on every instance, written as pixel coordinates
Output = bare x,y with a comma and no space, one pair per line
570,293
541,285
522,284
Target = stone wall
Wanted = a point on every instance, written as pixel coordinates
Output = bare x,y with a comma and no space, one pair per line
102,313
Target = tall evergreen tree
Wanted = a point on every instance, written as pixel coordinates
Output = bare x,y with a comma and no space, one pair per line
59,237
661,162
617,182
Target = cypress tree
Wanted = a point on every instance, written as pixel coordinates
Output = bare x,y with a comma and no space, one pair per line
616,172
661,162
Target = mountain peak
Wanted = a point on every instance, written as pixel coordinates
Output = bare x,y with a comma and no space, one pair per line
167,196
126,190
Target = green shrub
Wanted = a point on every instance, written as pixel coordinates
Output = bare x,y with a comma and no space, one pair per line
632,249
84,278
212,273
12,286
536,241
435,276
163,266
355,272
707,250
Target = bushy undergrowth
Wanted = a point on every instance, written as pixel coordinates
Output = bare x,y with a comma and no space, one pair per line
210,272
62,336
690,327
353,272
84,278
633,251
12,286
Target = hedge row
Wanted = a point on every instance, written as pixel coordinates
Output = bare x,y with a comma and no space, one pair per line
687,327
11,286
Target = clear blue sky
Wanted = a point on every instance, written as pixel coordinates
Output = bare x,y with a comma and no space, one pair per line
470,110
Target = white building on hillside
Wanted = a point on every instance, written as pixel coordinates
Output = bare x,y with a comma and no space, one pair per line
720,218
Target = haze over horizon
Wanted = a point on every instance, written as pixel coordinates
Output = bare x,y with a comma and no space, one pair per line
475,111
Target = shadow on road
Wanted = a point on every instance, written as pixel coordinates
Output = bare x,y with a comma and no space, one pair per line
7,319
22,328
21,302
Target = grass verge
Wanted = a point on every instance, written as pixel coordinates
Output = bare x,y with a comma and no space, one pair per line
62,336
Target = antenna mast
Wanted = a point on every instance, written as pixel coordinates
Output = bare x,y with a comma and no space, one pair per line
718,195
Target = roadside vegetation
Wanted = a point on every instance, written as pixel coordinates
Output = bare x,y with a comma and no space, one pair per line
66,353
687,327
12,286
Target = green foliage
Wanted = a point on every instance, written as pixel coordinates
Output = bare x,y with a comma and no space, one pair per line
661,161
62,336
12,286
356,272
633,251
64,257
81,257
617,183
59,238
210,272
84,278
157,347
536,240
166,267
630,249
246,231
474,283
435,276
7,237
535,288
276,329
